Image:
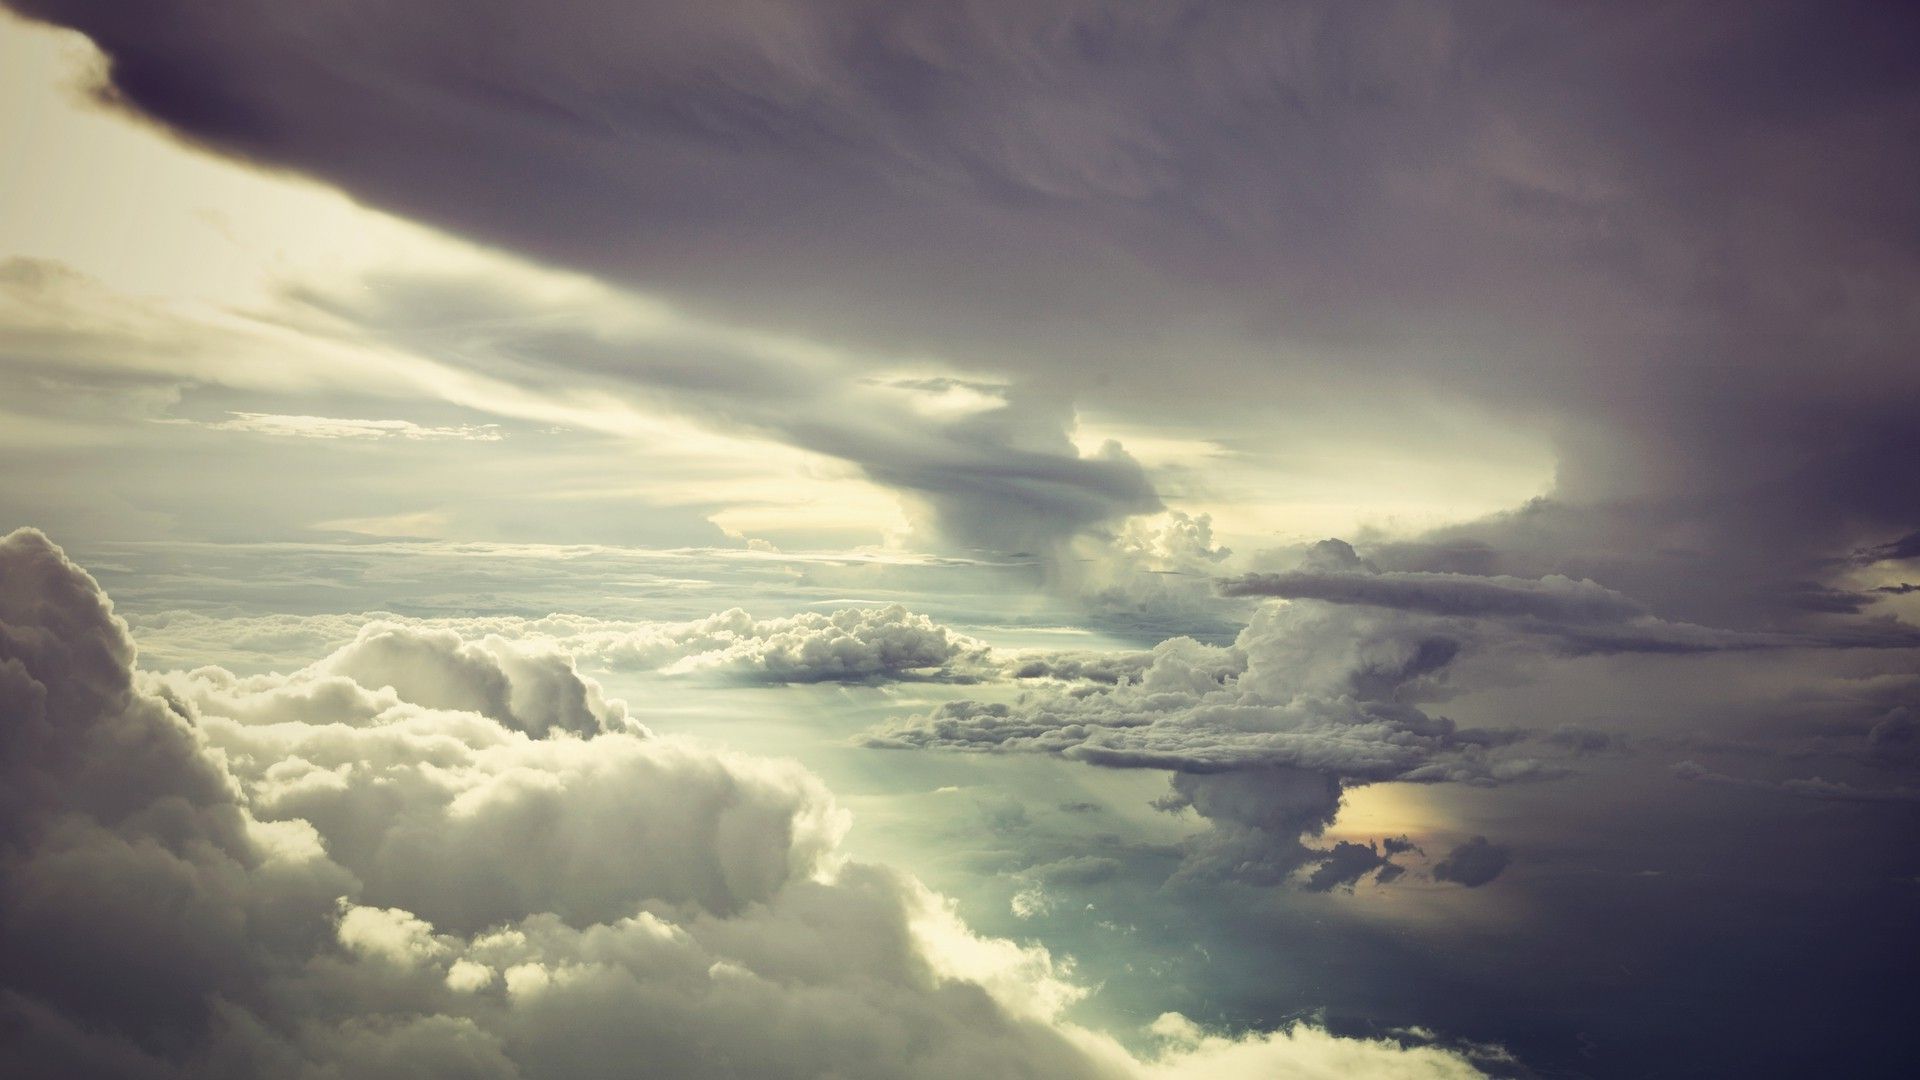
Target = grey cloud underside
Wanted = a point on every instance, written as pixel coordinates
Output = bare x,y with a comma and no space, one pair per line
1679,246
1555,598
1903,549
1003,476
1812,787
1579,617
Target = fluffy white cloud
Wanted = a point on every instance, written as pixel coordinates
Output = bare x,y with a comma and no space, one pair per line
852,644
528,689
427,660
392,668
1193,1053
203,875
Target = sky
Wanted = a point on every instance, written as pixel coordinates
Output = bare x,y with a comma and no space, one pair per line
826,538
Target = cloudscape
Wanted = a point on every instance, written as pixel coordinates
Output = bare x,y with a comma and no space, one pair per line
819,538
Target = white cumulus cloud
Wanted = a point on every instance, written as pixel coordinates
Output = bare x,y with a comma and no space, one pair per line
206,876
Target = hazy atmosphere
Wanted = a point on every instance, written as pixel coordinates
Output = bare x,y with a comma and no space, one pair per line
821,538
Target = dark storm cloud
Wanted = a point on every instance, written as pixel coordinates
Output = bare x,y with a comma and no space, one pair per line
1556,598
1681,245
1811,787
1473,863
1347,862
1576,617
1896,734
1725,553
1906,547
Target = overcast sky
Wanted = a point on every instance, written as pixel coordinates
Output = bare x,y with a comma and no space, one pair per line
958,539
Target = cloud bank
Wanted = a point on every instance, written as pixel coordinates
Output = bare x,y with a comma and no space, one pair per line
851,645
208,878
848,645
1262,736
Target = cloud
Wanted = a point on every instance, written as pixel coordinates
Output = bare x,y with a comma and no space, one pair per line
268,890
1346,863
1074,870
390,665
1149,578
1577,617
1426,199
1897,550
331,427
1194,1053
1325,692
1895,735
1003,475
1814,787
473,662
1305,685
1098,667
533,345
1554,598
1044,193
1473,863
1262,736
848,645
1499,217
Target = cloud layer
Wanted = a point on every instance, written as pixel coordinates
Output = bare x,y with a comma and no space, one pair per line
204,877
1299,202
1262,736
490,659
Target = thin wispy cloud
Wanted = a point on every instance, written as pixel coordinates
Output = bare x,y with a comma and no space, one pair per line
334,427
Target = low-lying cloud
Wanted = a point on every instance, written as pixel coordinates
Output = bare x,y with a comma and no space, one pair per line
851,645
205,877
